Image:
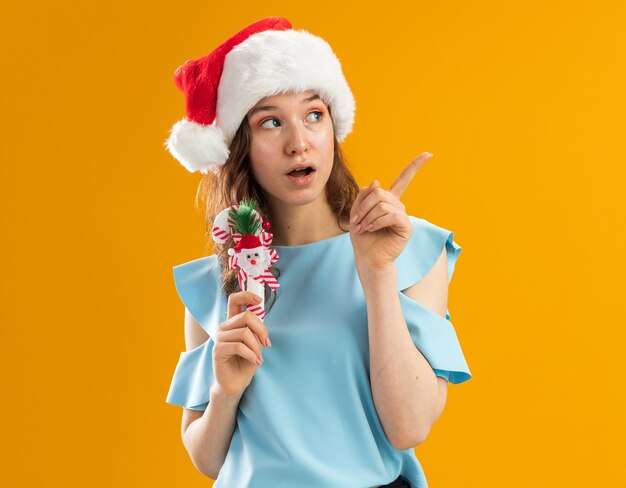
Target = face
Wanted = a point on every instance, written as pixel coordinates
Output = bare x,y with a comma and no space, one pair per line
291,131
254,261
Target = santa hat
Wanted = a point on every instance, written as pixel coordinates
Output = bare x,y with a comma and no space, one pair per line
249,241
266,58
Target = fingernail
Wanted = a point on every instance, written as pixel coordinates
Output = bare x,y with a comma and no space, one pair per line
257,298
269,343
358,228
354,219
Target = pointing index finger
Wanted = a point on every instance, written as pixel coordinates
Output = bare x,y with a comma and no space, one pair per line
402,182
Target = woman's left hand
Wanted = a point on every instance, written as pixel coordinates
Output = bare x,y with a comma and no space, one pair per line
379,246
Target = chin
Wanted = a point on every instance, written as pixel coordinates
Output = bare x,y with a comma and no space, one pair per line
302,198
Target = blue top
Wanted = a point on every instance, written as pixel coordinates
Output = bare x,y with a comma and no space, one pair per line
308,418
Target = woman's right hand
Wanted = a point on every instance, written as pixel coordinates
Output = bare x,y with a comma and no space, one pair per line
237,352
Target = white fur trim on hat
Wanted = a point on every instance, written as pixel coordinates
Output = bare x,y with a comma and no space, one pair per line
198,147
273,62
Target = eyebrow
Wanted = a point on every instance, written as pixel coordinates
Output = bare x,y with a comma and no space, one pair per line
272,107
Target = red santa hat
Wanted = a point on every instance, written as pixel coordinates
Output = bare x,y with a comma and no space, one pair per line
249,241
266,58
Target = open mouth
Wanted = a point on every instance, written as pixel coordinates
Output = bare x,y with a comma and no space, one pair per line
301,172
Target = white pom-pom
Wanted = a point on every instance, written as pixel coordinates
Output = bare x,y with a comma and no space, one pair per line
197,147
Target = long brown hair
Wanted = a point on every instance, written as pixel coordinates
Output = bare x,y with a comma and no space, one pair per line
233,181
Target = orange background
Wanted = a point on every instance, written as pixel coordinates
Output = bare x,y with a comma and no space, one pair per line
522,106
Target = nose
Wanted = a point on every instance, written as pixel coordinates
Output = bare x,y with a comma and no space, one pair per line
298,141
253,261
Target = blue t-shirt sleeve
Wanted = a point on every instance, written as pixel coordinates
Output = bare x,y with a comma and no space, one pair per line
197,284
433,335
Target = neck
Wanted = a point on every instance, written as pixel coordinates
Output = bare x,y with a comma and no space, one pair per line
294,225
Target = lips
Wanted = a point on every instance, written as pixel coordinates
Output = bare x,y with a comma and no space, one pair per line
301,172
301,177
301,169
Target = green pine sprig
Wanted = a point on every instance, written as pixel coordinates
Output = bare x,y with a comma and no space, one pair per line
245,219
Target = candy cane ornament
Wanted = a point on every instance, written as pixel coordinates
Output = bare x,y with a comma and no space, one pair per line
251,254
221,227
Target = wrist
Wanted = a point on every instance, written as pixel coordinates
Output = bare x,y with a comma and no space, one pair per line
377,275
376,271
222,396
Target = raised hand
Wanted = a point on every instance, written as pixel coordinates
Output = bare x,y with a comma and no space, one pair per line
380,226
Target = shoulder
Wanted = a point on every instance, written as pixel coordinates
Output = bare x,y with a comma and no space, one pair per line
424,270
427,262
424,249
199,286
206,265
195,335
431,291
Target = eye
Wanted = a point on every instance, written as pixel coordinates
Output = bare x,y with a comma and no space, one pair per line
256,254
262,124
320,115
248,256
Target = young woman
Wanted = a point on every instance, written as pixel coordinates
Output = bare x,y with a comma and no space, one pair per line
348,369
